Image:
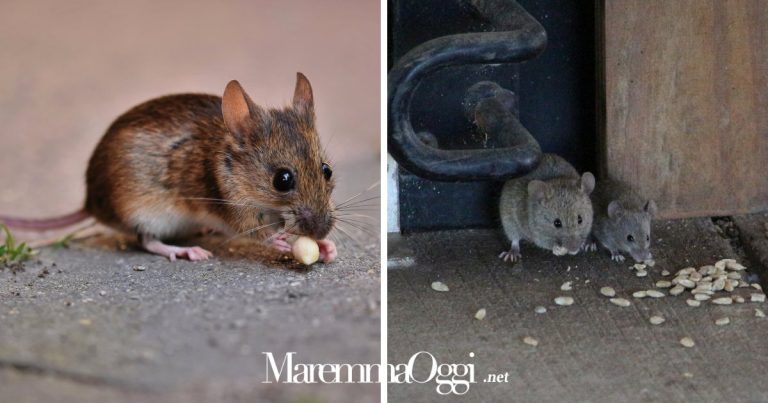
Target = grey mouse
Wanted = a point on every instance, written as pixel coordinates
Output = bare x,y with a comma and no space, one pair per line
622,221
549,207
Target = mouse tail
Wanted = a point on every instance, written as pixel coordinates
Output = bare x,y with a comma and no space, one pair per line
45,223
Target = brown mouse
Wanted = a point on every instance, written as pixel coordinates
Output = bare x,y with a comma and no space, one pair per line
178,164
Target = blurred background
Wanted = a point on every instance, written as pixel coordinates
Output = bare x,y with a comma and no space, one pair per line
68,69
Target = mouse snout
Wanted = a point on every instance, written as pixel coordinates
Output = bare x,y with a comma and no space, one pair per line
573,245
642,255
312,223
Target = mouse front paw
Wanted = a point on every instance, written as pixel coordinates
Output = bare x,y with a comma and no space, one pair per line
280,243
589,246
328,250
510,256
617,257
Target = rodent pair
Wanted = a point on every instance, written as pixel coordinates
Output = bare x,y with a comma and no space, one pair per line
176,165
556,209
553,206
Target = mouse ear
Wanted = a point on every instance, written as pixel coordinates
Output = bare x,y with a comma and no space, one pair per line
302,95
538,190
614,209
238,109
587,182
650,208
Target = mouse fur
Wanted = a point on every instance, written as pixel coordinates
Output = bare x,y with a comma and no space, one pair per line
550,207
622,221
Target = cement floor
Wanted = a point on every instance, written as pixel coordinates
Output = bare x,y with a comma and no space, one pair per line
590,351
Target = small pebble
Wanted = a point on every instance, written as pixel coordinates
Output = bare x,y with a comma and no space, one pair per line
757,297
439,286
530,341
102,293
687,342
608,291
540,309
639,294
663,284
723,321
565,301
759,313
620,302
656,320
566,286
480,314
693,302
654,293
723,301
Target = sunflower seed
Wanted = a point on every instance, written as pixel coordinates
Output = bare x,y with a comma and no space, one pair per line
735,266
641,273
565,301
676,290
695,277
757,286
480,315
686,283
639,266
566,286
734,275
759,313
663,284
656,320
723,321
723,301
620,302
530,341
707,270
718,285
692,302
439,286
650,262
608,291
139,268
757,297
730,285
685,272
639,294
654,293
687,342
738,299
701,297
665,273
540,309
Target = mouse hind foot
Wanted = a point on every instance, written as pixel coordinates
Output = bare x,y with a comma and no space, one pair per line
154,245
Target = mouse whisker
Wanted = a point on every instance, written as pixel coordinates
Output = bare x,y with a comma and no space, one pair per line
361,193
248,232
357,225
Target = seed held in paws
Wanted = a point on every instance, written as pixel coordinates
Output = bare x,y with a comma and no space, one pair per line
305,250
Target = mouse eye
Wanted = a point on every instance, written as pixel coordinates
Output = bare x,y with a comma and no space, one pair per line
558,223
648,238
630,238
327,172
283,180
578,218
